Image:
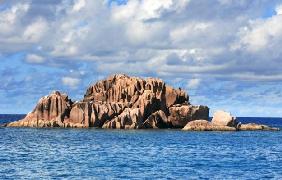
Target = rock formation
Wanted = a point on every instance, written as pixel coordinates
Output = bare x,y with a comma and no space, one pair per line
120,102
181,114
222,118
50,111
224,121
123,102
204,125
255,127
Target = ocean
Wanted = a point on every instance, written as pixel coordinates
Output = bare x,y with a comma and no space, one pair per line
139,154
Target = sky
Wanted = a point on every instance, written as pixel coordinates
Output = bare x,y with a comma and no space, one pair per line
226,54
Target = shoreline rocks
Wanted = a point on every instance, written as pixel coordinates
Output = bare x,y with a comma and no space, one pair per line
50,111
204,125
124,102
256,127
224,121
222,118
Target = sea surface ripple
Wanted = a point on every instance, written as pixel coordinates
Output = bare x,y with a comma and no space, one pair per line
31,153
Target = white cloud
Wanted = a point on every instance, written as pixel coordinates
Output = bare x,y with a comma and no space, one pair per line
190,31
146,9
35,31
193,83
9,17
138,32
79,4
279,10
134,17
33,58
204,41
165,38
262,34
70,81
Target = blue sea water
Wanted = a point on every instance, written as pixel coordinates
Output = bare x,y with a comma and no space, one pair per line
139,154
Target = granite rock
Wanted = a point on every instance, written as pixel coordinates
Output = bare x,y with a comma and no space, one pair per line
204,125
119,101
50,111
224,118
256,127
180,115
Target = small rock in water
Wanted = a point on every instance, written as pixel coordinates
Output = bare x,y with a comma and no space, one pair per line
224,121
223,118
256,127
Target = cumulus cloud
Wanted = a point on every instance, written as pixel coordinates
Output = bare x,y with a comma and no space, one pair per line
79,4
162,36
35,31
204,41
104,31
146,10
33,58
262,33
71,82
191,30
279,10
10,17
193,83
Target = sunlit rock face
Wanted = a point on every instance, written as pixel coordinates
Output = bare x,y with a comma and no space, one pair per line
120,101
124,102
204,125
50,111
181,114
256,127
223,118
224,121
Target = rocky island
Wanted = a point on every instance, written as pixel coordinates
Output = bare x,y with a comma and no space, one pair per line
124,102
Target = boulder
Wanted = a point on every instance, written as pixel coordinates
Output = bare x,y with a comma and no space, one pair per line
223,118
180,115
204,125
256,127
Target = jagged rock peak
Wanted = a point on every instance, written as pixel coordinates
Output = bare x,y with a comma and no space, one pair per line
51,108
56,92
123,88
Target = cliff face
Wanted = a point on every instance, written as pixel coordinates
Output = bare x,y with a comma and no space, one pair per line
119,101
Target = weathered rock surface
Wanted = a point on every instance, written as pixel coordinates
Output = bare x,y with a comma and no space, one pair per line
256,127
122,88
156,120
120,102
128,119
50,111
204,125
223,118
180,115
123,102
223,121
